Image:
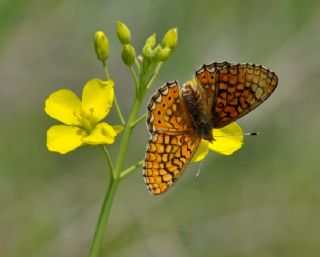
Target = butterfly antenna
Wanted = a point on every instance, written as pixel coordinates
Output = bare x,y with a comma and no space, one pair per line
196,177
243,134
251,134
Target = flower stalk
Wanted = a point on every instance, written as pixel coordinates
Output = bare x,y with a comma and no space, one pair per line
103,217
147,70
116,175
115,101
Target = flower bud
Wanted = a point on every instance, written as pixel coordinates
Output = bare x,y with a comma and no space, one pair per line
151,41
164,54
147,51
128,54
123,33
101,46
170,39
156,52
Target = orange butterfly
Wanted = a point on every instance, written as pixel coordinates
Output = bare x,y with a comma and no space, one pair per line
179,119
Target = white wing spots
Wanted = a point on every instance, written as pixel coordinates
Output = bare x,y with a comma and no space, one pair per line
154,138
159,99
153,106
165,91
151,119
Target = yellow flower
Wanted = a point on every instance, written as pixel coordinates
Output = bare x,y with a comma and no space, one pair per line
227,140
82,119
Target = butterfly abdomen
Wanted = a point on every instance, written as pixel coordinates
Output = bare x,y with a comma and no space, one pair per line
194,104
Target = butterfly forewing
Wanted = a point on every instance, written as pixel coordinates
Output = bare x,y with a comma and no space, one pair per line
166,111
235,89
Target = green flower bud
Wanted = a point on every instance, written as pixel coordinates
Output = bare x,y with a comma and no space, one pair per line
123,33
170,39
101,46
156,52
147,51
128,54
164,54
151,41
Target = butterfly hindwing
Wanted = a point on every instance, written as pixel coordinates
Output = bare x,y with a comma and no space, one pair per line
166,159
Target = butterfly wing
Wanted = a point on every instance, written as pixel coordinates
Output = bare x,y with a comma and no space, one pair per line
166,111
173,140
166,159
235,89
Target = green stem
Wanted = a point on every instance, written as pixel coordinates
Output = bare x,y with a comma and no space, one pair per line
105,69
115,179
137,121
116,171
116,105
144,76
153,76
126,137
109,161
137,64
115,101
136,83
132,168
103,218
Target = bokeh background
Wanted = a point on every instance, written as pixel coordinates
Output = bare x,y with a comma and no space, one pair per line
263,201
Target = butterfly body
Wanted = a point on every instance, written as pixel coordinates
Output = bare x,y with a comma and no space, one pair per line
196,109
178,119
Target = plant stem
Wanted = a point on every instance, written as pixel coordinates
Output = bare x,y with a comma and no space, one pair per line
105,69
103,218
116,173
106,153
154,74
136,122
136,83
114,182
126,137
137,64
132,168
115,101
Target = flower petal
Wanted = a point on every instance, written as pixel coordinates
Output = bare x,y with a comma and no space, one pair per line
103,133
97,98
63,139
227,139
118,129
201,152
61,105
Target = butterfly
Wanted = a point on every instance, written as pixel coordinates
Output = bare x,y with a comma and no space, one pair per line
179,118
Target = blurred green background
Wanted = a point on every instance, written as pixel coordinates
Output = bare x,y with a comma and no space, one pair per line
263,201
